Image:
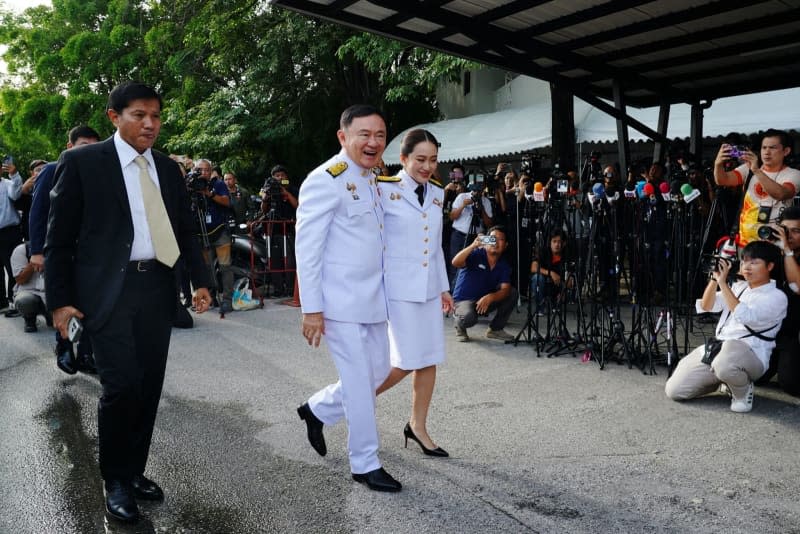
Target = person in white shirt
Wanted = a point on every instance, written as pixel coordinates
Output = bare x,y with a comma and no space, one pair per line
752,312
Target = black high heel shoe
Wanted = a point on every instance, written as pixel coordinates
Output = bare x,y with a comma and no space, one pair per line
438,451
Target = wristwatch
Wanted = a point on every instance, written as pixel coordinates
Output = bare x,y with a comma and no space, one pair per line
788,253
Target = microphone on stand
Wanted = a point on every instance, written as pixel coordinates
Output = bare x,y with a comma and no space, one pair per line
649,192
612,195
689,193
663,187
597,194
630,190
538,192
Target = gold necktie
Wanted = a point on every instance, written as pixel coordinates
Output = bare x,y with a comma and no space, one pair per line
161,233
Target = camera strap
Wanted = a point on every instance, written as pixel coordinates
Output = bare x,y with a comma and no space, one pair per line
735,226
760,334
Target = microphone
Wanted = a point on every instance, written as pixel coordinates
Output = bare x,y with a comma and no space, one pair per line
538,192
663,187
689,193
598,192
612,195
630,190
649,192
675,188
640,188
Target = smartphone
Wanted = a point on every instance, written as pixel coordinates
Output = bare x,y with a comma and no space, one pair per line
74,329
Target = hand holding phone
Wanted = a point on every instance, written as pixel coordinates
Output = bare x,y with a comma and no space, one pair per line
74,329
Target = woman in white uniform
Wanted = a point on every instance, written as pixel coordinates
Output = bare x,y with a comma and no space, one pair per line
417,287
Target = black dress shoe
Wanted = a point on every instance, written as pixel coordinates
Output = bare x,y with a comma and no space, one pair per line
146,489
65,358
85,364
378,480
409,434
120,503
314,426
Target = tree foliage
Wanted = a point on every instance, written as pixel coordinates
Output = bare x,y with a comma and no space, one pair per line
244,84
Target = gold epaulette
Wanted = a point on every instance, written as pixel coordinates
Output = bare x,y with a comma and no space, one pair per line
437,183
337,168
389,179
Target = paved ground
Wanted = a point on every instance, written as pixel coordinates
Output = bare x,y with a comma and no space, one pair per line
537,445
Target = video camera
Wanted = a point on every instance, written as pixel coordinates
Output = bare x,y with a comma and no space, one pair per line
530,164
272,187
196,183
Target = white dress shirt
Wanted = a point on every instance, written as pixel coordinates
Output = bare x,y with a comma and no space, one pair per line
142,247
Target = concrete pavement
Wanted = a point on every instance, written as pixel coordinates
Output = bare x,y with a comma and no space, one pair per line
536,444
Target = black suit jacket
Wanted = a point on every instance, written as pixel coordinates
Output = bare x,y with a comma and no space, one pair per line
90,230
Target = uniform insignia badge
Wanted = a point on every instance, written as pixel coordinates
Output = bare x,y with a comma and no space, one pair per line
437,202
337,168
352,188
390,179
437,183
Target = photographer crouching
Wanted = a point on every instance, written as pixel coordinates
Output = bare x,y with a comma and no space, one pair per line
212,204
278,209
752,312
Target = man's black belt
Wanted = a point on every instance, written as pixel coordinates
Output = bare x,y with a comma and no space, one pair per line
145,266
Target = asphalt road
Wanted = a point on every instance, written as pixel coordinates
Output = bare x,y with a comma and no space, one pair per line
536,444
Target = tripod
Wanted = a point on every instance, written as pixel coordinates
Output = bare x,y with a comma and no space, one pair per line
200,208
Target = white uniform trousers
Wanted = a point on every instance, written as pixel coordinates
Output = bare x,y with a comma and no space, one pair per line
361,355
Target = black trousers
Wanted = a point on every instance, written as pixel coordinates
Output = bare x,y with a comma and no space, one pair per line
10,237
130,352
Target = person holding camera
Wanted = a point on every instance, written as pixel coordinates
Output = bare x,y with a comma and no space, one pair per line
751,314
769,185
785,359
453,188
471,213
483,285
279,203
217,212
10,235
278,197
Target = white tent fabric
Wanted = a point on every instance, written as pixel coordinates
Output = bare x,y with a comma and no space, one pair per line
521,129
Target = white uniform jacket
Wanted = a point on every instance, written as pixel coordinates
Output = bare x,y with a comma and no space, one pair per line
339,243
415,269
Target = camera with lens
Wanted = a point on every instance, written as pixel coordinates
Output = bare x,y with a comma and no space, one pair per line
736,151
196,183
488,240
530,163
767,233
272,187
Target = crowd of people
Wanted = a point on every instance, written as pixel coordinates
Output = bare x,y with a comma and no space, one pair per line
382,261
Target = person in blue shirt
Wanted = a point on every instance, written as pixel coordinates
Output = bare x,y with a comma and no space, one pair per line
483,285
10,237
217,212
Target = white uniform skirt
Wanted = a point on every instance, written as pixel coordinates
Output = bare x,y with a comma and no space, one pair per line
416,333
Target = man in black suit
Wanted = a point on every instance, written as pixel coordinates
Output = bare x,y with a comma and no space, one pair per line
119,218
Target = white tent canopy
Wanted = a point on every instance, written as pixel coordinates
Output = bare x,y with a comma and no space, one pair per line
521,129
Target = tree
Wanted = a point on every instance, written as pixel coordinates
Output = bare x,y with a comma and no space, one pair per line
244,84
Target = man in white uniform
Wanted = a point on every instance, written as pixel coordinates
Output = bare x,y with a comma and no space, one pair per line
339,249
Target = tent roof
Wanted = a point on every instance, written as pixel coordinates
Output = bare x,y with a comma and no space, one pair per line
657,51
522,129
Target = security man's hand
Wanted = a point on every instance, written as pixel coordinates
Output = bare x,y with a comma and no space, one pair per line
201,300
61,317
313,328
